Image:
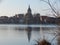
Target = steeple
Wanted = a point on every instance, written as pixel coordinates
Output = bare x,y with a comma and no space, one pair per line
29,9
29,16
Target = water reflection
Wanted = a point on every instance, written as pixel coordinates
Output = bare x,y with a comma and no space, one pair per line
51,34
29,30
36,28
22,35
48,33
58,35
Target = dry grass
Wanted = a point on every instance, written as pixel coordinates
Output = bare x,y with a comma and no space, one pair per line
43,42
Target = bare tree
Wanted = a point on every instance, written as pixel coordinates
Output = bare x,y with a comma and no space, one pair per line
56,12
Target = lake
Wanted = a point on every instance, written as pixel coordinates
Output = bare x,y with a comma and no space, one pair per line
11,34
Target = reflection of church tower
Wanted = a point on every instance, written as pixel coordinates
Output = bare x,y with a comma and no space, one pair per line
28,16
29,29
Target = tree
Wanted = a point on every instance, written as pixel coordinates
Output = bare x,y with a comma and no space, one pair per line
53,8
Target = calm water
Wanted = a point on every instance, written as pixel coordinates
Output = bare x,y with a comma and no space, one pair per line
28,34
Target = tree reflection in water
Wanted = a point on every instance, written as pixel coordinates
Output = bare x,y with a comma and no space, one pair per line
56,33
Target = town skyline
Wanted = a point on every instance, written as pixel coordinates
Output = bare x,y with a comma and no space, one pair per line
28,18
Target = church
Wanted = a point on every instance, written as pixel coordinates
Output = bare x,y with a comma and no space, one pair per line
29,16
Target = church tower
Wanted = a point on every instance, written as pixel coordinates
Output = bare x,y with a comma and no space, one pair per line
29,16
29,10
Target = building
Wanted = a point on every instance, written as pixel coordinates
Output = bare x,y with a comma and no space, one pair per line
21,18
3,19
29,16
36,18
43,19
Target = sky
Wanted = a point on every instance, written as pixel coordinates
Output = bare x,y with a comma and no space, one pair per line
12,7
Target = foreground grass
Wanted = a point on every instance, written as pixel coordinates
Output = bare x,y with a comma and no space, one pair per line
43,42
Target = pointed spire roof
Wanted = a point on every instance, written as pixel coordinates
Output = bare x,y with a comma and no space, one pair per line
29,9
29,6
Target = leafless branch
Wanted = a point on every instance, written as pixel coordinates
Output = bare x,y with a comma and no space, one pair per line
52,7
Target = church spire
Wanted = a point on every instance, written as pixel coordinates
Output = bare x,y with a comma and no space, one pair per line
29,6
29,9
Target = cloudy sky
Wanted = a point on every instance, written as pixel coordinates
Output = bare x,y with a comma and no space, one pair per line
12,7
